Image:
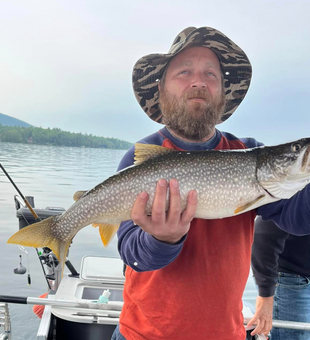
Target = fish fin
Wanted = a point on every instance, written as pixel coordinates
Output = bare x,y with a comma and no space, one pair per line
144,152
60,249
107,231
248,206
39,235
282,190
78,195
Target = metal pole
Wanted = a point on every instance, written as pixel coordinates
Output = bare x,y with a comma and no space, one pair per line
113,307
291,325
303,326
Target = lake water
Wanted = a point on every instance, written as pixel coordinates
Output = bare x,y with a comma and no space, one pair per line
52,175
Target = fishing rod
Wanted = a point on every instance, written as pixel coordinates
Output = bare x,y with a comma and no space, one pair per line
21,195
112,307
37,219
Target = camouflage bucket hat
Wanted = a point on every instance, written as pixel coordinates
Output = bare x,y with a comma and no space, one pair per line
235,66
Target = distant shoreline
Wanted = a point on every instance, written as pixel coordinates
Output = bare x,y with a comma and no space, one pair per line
57,137
66,146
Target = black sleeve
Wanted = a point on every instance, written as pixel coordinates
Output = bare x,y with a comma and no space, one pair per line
269,242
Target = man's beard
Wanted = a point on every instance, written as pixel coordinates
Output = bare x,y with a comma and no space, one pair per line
192,120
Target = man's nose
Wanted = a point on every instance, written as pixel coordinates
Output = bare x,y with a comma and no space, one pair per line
198,81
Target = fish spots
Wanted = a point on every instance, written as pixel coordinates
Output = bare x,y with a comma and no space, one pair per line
221,181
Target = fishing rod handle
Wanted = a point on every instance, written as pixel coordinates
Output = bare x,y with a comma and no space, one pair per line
13,299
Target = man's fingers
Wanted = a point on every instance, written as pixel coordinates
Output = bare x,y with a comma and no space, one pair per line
259,329
174,212
189,213
260,325
268,327
159,204
138,214
252,322
263,327
169,229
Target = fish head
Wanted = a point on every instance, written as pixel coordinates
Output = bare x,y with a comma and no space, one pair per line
283,170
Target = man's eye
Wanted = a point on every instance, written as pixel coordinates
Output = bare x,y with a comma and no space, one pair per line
211,74
184,72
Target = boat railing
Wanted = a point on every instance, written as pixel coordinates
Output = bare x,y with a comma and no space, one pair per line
303,326
5,321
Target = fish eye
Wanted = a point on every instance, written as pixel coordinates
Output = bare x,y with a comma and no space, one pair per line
296,147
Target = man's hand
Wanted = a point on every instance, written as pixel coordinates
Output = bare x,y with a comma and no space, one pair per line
263,315
170,227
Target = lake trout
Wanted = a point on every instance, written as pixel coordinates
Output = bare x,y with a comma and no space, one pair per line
228,183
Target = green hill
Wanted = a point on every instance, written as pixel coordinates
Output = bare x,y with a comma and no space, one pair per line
10,121
16,131
57,137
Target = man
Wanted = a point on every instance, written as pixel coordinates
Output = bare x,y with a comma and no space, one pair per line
185,277
281,267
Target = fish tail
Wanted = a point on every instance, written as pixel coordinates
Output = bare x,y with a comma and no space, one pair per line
40,235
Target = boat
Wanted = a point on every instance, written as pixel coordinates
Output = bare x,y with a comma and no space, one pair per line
85,304
81,305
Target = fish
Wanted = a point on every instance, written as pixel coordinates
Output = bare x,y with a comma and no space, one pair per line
227,182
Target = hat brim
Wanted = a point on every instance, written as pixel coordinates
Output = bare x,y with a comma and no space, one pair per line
235,66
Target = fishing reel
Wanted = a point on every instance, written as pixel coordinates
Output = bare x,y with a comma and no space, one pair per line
48,258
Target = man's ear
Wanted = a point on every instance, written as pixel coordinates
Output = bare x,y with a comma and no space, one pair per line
159,85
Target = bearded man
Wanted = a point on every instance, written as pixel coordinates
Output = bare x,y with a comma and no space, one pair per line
185,276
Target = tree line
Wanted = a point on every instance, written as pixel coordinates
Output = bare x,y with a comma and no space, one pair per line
57,137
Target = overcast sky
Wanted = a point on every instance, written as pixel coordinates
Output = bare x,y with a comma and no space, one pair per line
68,63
